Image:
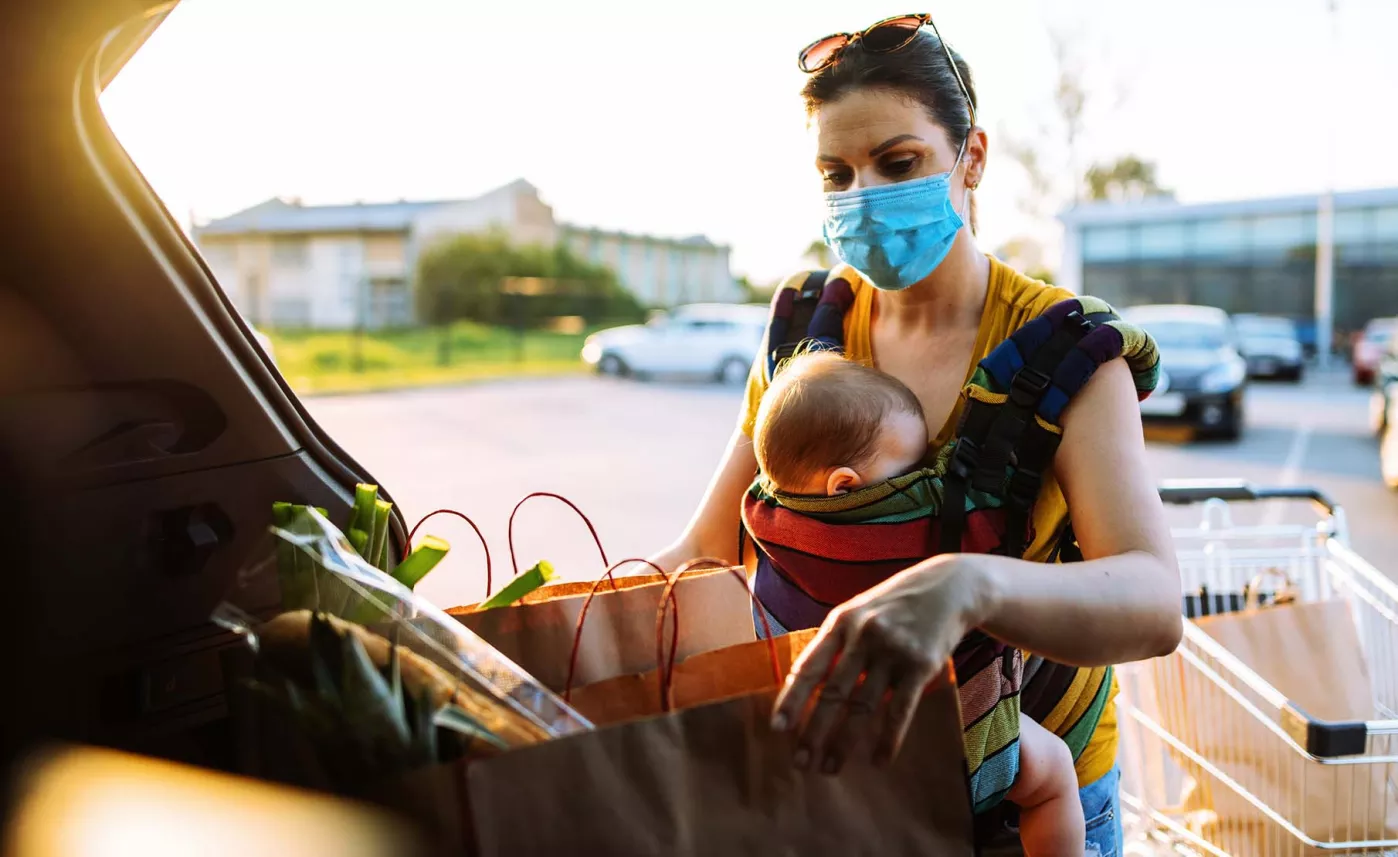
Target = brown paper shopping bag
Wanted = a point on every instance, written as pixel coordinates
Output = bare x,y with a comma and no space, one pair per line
709,776
618,636
1310,652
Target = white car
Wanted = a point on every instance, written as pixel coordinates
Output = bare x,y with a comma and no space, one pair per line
715,340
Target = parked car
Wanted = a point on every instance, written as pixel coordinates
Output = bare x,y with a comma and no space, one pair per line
1369,349
1203,375
1271,346
1383,412
715,340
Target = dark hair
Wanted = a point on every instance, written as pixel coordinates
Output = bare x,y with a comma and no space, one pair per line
919,71
824,411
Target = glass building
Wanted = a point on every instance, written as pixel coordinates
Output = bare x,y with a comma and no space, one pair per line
1248,256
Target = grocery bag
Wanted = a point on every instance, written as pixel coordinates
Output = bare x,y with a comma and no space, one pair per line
689,765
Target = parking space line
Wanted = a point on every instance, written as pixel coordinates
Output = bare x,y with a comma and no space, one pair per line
1291,470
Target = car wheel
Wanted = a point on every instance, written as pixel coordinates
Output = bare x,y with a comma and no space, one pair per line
732,372
613,366
1232,429
1296,375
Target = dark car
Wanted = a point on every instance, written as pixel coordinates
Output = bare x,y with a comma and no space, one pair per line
1203,374
1271,346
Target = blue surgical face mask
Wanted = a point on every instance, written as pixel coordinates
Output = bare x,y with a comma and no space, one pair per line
897,234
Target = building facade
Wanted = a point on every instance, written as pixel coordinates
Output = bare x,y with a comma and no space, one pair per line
285,264
1247,256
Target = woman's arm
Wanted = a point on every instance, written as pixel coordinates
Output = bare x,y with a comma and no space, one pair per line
713,531
1121,604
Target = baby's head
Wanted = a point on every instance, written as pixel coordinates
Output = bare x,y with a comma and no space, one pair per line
828,425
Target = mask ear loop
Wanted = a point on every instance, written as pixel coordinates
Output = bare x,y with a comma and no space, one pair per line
965,212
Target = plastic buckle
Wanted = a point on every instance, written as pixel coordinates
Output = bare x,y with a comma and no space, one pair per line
1024,487
1027,386
963,458
1079,323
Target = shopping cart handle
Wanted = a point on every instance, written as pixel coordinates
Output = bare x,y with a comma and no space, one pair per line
1183,492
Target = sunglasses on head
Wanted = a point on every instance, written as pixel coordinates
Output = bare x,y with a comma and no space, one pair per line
886,36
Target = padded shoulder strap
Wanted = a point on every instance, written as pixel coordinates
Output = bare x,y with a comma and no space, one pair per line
811,317
1011,428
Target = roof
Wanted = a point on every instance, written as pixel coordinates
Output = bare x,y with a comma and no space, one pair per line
688,241
1166,209
290,216
279,215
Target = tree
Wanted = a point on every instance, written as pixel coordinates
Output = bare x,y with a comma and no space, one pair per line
466,277
1127,179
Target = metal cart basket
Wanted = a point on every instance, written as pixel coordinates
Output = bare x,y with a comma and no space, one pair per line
1215,759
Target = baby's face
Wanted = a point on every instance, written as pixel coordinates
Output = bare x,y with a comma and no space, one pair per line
900,449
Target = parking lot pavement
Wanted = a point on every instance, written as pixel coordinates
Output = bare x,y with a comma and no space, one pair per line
637,456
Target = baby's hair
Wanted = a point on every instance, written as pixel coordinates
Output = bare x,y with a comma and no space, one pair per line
824,411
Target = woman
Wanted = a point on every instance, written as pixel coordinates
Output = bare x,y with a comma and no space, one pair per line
890,106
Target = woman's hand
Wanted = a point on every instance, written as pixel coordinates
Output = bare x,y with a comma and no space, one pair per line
866,670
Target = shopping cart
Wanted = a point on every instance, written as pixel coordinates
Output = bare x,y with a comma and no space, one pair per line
1215,759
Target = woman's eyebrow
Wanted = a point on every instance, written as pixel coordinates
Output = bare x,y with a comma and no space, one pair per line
829,159
890,143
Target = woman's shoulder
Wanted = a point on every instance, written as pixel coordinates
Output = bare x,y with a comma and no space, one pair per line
1021,295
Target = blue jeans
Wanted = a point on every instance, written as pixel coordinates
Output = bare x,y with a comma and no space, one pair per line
1101,806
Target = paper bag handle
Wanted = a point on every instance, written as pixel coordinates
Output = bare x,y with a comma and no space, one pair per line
510,531
666,665
408,544
582,617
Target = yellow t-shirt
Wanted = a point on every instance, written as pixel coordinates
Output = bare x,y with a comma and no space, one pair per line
1012,300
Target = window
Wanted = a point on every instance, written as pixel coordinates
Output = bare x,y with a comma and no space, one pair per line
1227,238
291,312
1161,241
1103,243
1282,235
1386,234
289,252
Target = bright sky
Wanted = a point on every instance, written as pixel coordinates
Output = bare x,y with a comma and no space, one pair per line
674,120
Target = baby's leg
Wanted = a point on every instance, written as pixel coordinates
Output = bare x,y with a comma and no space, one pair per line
1051,823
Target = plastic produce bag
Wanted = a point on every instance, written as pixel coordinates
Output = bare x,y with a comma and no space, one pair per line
358,680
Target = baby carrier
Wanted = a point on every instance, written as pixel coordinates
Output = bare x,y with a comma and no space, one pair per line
814,553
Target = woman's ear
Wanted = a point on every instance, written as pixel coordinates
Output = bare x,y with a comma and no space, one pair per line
842,480
977,148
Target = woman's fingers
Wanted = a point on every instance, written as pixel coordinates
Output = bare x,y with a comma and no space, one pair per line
830,705
907,693
859,719
809,670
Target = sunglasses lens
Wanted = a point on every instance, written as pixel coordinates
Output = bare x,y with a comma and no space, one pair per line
819,54
892,34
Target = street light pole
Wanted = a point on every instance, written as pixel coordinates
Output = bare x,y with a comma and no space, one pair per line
1325,230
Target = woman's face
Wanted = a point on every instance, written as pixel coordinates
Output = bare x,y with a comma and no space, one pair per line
872,137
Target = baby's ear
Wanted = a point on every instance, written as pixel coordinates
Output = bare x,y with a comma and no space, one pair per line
842,480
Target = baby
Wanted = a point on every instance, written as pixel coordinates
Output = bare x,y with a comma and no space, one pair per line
828,426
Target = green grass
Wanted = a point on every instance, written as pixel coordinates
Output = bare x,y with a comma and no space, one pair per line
316,361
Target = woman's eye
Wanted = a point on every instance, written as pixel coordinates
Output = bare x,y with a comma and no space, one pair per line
836,178
900,167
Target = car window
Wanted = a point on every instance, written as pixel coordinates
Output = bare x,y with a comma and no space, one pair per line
1188,334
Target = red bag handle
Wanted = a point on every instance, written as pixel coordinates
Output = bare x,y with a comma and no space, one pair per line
408,548
510,532
666,665
582,617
